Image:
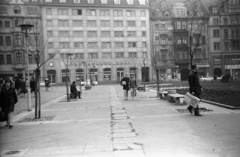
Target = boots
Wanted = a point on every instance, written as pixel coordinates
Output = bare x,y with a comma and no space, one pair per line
196,112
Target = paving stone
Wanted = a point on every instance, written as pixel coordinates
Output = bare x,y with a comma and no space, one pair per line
118,111
123,130
124,135
125,140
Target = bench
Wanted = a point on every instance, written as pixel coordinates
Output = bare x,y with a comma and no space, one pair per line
140,88
177,98
163,94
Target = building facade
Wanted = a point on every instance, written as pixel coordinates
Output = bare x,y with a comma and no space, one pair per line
183,34
224,30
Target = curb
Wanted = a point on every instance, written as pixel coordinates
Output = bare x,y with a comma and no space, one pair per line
220,105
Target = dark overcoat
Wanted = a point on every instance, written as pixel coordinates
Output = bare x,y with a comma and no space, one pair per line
194,85
126,84
8,99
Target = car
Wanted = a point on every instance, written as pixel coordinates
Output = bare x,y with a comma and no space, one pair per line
207,78
42,84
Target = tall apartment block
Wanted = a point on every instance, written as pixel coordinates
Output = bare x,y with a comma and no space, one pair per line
82,39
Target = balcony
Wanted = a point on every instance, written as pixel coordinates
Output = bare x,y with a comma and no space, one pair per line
19,66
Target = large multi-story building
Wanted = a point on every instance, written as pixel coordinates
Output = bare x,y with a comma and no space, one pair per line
101,39
179,31
224,31
13,57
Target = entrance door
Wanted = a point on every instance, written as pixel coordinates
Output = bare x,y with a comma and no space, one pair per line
120,74
51,74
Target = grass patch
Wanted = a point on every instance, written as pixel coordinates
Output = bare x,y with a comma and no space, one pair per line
224,93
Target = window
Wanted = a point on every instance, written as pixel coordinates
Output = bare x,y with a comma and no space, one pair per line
92,45
19,57
3,10
50,45
143,33
105,23
118,23
62,1
1,59
9,59
226,46
79,55
48,11
104,1
131,13
119,45
130,2
62,11
143,23
63,23
179,26
79,45
32,11
90,1
107,55
184,25
76,12
104,13
49,23
91,23
17,10
118,34
118,13
105,34
106,45
216,33
64,45
92,55
131,33
1,24
235,45
144,55
7,24
225,34
8,41
77,23
17,23
225,21
214,10
1,40
216,46
92,34
91,12
144,44
131,23
203,40
77,34
157,27
119,54
132,54
215,21
49,1
132,44
143,13
117,1
76,1
63,34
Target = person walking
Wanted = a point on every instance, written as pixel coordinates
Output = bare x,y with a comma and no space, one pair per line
194,88
8,99
125,82
17,85
32,85
47,84
133,86
23,88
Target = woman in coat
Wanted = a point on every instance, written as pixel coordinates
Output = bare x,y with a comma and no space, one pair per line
8,99
125,82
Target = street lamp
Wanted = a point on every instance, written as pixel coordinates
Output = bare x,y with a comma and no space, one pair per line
94,77
25,28
144,77
67,71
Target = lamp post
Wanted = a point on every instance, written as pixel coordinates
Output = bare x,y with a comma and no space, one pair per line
144,77
25,28
94,75
67,71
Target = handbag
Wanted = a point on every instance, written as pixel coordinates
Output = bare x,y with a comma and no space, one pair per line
191,100
3,116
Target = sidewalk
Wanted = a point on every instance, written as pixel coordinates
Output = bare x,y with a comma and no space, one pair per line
103,125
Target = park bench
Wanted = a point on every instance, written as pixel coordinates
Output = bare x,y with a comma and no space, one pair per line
141,87
163,94
177,98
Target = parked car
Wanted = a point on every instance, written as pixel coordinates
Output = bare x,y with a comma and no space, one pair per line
208,78
42,84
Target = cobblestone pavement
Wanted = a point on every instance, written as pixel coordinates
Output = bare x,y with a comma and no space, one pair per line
102,124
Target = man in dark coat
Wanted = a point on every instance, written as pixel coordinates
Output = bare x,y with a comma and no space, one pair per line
32,85
195,88
125,82
17,85
8,99
74,91
47,84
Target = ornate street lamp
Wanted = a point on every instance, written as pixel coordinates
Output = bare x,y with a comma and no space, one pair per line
67,72
25,28
144,73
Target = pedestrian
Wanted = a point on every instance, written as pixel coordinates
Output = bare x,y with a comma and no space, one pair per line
133,86
74,91
8,99
47,84
194,88
125,82
23,88
32,85
17,85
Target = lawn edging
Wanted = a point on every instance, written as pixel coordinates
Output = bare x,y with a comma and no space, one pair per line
220,105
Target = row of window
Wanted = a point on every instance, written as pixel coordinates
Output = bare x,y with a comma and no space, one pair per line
234,45
94,23
130,2
17,22
5,59
94,12
234,20
94,34
17,10
180,25
94,45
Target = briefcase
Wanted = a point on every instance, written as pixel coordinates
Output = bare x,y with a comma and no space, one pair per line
191,100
